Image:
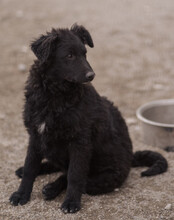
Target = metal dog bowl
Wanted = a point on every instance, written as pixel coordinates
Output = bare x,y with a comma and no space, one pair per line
157,122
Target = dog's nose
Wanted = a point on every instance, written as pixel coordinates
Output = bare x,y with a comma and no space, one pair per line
90,76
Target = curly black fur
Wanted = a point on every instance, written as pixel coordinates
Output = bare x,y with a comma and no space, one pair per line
79,132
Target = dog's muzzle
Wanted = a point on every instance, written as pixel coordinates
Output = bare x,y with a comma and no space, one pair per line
90,76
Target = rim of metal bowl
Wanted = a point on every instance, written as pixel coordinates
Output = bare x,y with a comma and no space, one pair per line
142,108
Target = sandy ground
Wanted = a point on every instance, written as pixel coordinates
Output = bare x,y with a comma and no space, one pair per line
133,60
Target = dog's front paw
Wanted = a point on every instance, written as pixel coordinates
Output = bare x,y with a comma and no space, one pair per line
19,172
70,206
19,198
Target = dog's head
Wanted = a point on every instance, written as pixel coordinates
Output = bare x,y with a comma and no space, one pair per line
65,51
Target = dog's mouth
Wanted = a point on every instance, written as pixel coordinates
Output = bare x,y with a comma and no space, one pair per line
84,83
79,81
87,82
83,78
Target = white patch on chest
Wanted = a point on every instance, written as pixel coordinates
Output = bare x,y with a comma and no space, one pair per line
41,128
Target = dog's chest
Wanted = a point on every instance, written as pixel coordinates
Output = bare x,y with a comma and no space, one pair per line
54,136
53,120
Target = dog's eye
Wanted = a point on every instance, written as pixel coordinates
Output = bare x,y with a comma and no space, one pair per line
70,56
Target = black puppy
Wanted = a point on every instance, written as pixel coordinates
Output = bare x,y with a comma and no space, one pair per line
79,132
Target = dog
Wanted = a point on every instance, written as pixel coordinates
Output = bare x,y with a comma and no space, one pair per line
77,131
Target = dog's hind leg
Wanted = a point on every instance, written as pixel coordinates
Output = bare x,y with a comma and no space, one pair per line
102,183
46,168
52,190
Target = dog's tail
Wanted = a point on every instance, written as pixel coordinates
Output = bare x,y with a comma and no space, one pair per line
156,162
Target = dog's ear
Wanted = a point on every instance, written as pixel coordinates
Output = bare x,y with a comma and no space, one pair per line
83,34
42,47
